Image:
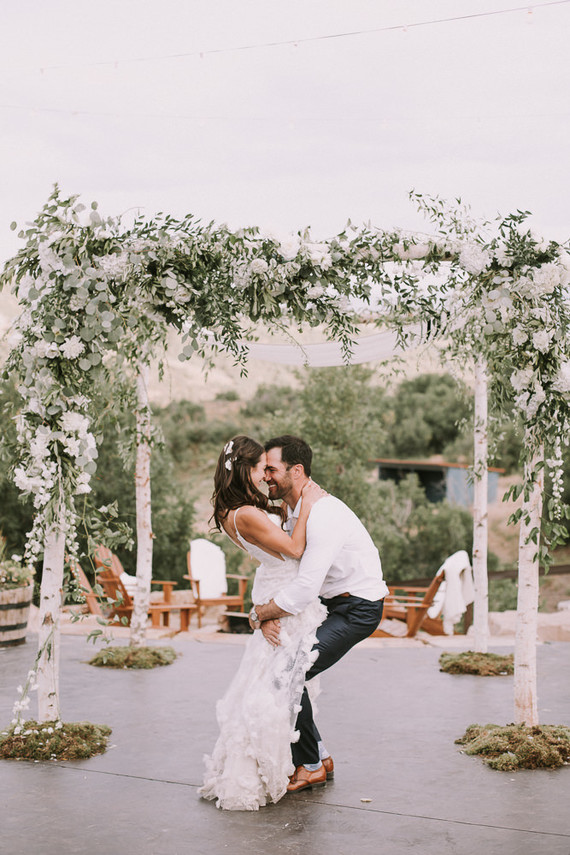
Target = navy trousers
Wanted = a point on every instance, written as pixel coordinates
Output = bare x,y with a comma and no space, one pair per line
350,619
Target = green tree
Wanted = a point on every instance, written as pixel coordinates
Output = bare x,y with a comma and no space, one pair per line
426,413
341,415
16,512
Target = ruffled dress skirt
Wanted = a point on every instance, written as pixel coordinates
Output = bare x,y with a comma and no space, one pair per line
251,761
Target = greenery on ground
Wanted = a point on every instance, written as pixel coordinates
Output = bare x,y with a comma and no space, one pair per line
482,664
133,657
53,740
516,746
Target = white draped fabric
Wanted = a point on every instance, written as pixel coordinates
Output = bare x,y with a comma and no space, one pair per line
367,348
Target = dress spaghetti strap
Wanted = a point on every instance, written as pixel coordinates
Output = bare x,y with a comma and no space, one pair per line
238,535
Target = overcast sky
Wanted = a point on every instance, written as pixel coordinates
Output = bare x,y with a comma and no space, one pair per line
286,136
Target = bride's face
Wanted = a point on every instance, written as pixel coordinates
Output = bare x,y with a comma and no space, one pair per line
257,473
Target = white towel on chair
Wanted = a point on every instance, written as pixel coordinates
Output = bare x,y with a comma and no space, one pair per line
458,591
208,565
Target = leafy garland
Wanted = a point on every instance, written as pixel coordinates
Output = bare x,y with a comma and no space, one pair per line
506,299
93,292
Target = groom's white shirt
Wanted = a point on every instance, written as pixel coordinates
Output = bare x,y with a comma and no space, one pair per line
340,557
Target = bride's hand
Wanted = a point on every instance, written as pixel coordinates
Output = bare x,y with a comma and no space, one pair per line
311,493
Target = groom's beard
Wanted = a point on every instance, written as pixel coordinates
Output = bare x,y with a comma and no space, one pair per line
279,491
275,491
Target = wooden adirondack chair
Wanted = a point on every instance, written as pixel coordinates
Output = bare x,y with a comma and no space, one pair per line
114,581
121,604
210,591
410,604
91,599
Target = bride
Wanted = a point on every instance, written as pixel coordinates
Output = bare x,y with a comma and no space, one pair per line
251,761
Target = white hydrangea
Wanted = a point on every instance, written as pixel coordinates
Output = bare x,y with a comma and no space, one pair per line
259,265
474,259
49,261
546,278
562,381
74,422
72,446
315,291
24,482
114,265
519,336
502,256
319,254
72,347
541,340
521,379
289,247
45,350
39,446
83,483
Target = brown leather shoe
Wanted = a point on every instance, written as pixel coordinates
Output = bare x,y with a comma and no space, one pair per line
303,779
329,767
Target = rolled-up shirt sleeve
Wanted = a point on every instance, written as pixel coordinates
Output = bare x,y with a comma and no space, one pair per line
325,538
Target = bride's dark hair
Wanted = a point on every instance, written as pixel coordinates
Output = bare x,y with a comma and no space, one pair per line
233,486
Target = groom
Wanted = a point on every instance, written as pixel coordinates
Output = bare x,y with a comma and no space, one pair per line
342,566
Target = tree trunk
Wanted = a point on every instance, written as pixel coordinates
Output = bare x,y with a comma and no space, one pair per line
143,508
480,579
49,634
526,711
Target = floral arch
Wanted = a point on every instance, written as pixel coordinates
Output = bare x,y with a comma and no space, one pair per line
92,291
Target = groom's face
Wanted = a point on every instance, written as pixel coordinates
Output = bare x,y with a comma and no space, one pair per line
277,475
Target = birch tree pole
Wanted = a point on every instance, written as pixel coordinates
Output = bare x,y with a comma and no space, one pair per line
143,508
480,500
49,640
525,681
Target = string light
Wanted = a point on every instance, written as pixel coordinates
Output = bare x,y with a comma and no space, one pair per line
295,42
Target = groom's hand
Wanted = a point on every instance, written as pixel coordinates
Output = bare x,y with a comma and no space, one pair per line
271,630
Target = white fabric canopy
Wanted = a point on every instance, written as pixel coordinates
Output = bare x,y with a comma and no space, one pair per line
367,348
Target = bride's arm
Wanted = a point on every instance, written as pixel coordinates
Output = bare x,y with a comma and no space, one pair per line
256,528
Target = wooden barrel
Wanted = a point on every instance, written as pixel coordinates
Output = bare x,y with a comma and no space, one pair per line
14,612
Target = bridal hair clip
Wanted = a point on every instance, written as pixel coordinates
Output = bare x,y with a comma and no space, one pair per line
228,448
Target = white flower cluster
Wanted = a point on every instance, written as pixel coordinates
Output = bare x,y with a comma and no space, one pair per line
22,704
474,258
562,380
50,262
319,254
115,265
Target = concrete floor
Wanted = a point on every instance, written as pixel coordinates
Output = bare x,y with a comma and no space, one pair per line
389,718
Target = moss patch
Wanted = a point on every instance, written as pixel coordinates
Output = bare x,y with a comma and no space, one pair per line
516,746
53,740
133,657
483,664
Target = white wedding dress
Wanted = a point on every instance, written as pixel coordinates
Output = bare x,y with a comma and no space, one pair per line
251,761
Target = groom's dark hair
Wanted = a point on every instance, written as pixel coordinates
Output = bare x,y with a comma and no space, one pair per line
293,450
